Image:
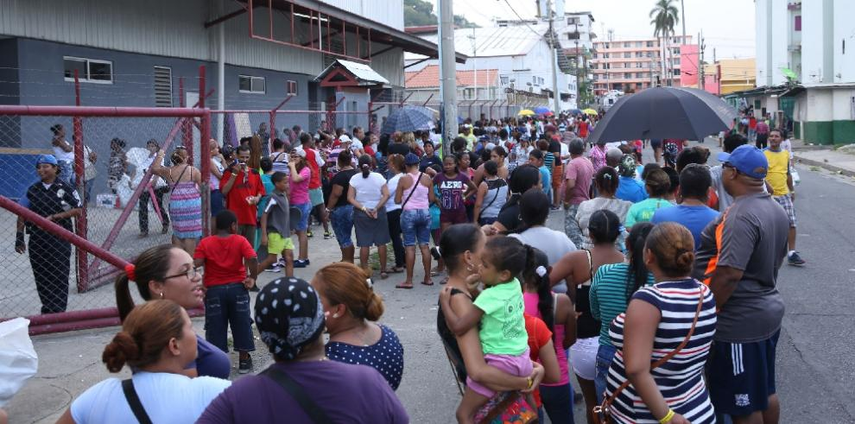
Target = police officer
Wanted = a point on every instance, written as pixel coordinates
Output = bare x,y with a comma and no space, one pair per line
50,256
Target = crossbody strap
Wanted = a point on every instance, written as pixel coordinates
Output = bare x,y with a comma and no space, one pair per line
415,186
607,403
315,413
134,402
175,183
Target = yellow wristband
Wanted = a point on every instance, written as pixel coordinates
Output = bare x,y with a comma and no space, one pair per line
530,382
667,417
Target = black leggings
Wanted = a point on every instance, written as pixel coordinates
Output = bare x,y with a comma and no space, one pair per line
394,220
50,258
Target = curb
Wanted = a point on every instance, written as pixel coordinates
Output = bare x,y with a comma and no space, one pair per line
824,165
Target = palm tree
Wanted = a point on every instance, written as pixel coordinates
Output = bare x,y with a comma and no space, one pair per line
663,17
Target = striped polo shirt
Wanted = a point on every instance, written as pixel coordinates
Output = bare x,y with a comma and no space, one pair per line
610,295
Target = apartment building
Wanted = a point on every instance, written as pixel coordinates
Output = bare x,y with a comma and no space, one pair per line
636,64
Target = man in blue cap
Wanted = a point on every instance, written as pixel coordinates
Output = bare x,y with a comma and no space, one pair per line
50,256
739,257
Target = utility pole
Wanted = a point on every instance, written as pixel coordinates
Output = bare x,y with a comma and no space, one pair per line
701,83
683,18
556,105
448,69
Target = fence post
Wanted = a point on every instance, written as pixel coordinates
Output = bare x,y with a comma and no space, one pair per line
81,230
205,169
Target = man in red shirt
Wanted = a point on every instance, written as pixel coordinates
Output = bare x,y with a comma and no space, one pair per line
316,194
226,256
243,189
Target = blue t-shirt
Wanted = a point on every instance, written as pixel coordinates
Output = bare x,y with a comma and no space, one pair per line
545,179
210,360
695,218
631,190
166,397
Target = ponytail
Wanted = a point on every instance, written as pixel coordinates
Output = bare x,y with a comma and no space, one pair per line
638,273
536,275
124,301
365,165
151,265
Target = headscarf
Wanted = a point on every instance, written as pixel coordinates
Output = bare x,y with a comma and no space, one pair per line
289,315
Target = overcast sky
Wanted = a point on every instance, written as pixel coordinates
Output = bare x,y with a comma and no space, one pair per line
728,25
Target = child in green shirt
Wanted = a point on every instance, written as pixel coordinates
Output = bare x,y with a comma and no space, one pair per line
499,309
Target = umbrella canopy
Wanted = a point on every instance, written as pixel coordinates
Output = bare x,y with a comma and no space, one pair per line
664,112
541,110
575,111
407,119
526,112
590,111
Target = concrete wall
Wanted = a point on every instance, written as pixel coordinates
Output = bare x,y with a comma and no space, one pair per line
771,41
825,116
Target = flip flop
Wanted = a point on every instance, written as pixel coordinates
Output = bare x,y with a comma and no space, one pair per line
404,286
396,270
384,275
429,283
435,273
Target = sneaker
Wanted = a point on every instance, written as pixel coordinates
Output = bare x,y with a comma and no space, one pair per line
795,260
309,233
276,267
254,288
327,235
245,365
301,263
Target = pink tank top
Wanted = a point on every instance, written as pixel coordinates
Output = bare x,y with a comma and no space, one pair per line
531,300
419,199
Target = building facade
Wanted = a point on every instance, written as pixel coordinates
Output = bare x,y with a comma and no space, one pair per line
636,64
806,66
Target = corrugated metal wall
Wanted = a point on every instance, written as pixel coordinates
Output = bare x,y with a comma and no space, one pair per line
387,12
176,29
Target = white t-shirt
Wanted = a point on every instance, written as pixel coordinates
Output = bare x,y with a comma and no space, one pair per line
555,244
393,186
62,155
214,181
166,397
368,190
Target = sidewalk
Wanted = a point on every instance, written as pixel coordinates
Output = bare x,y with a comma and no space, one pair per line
841,161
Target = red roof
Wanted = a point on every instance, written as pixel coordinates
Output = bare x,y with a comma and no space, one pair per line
428,77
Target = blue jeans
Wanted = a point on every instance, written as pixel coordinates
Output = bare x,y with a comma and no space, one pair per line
217,202
415,224
605,355
342,224
558,403
305,209
228,305
66,172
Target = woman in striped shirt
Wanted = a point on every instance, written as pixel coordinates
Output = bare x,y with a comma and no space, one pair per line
656,322
611,289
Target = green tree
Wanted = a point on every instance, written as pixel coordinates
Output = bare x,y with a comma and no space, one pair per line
420,13
663,17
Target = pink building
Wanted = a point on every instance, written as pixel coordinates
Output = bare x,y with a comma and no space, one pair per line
633,65
689,69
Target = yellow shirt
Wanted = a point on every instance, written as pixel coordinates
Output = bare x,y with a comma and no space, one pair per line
779,168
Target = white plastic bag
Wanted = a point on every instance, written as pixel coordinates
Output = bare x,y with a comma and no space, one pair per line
18,359
796,178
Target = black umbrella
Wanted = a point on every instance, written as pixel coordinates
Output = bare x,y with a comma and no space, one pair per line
407,119
664,112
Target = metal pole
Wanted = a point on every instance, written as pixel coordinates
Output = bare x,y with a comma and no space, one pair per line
79,168
448,67
553,57
683,13
221,74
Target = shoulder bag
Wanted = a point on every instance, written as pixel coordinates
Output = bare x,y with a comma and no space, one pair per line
602,413
315,413
134,402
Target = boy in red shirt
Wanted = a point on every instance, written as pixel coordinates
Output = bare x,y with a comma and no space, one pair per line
243,189
226,257
316,194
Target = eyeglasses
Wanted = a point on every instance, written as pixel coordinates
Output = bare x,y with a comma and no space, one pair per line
191,273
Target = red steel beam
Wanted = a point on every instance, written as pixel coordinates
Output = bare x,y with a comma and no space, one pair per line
79,166
107,112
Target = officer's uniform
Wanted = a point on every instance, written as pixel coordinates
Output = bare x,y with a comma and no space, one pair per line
50,256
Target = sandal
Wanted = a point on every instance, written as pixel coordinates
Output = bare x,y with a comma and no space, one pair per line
427,283
396,270
444,281
404,286
383,274
434,273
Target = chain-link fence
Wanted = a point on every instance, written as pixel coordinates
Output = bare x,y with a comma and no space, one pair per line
106,155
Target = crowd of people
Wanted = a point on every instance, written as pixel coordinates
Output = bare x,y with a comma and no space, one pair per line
661,271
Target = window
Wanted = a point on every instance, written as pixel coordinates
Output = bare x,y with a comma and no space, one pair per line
638,44
88,70
572,35
571,21
649,44
627,75
638,85
541,80
292,87
162,86
639,75
627,55
798,22
503,80
534,80
248,84
639,65
627,45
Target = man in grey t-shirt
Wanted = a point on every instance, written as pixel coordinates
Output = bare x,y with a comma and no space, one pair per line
739,257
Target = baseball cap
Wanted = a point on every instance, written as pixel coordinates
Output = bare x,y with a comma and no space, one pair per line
748,160
411,159
300,152
47,159
344,139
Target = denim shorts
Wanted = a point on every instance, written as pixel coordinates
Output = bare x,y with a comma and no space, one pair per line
415,224
304,208
342,224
